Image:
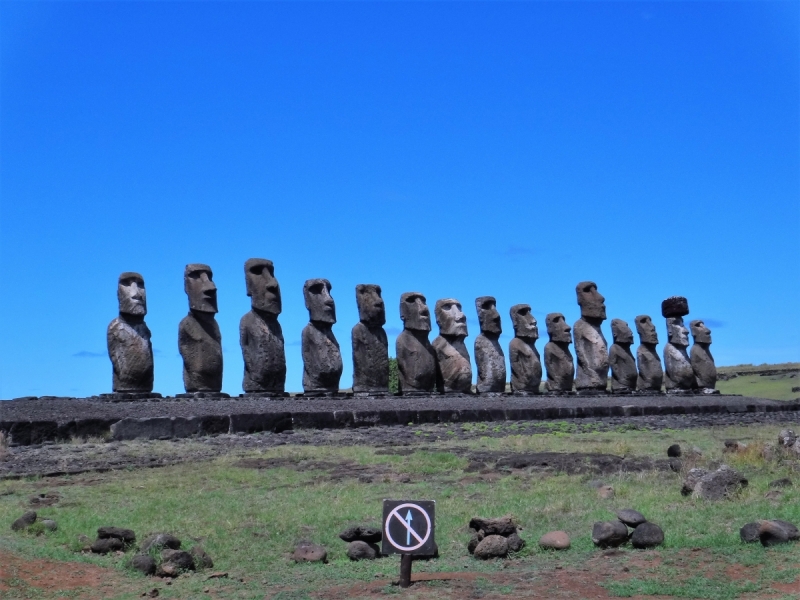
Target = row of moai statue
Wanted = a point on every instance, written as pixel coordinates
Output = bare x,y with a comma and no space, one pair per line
424,367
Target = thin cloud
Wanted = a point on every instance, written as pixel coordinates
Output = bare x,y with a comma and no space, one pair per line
88,354
514,250
713,323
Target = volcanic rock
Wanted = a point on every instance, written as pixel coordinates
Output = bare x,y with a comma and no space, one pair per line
492,546
647,535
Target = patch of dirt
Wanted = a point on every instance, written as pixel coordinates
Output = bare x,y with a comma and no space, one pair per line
571,463
24,578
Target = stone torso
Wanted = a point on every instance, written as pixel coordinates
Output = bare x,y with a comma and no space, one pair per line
559,366
526,366
200,345
491,364
370,359
416,363
131,354
705,371
651,375
592,351
623,368
261,340
454,369
679,374
322,360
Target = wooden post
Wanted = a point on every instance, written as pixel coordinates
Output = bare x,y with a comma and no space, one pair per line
405,570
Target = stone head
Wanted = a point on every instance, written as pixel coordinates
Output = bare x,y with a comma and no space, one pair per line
592,303
488,317
646,330
677,333
700,332
262,287
620,331
317,293
199,286
525,325
558,329
450,318
131,294
414,312
371,309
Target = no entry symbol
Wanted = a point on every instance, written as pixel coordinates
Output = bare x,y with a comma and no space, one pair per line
408,527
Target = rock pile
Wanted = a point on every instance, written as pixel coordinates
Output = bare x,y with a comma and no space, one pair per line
160,554
362,542
611,534
714,485
112,539
494,538
769,532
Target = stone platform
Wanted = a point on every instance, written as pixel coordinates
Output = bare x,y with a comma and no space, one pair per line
37,420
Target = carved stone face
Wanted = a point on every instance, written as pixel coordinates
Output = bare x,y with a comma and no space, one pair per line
677,332
450,318
317,293
262,287
621,332
198,284
525,325
488,317
592,303
700,332
371,309
646,330
557,328
131,294
414,312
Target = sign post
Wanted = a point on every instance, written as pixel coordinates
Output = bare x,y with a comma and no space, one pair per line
408,530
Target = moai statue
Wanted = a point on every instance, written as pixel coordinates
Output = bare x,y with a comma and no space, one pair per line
679,373
416,358
651,375
705,371
454,371
322,360
557,357
128,338
370,346
623,365
590,345
488,354
260,334
526,366
199,340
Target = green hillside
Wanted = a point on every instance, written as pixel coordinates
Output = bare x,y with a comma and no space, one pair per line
762,381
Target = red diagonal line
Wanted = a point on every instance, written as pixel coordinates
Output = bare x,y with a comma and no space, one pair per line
407,526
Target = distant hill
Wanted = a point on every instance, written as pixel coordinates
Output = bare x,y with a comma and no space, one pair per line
779,381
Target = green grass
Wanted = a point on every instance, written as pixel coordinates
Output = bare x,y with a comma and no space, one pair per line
249,520
776,387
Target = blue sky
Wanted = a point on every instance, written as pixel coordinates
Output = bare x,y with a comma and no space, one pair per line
456,149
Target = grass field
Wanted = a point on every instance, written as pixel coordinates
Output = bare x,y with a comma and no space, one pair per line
248,519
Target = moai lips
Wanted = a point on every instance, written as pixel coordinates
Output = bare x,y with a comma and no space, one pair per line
260,334
454,370
128,338
370,345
